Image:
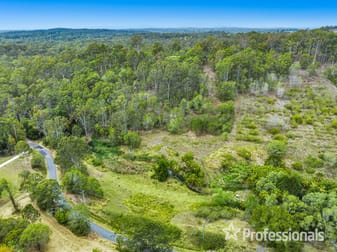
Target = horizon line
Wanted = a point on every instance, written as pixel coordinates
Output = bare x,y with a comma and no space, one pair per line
163,27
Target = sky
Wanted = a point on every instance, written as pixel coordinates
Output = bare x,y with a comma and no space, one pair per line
38,14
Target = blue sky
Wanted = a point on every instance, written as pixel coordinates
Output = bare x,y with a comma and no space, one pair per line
16,14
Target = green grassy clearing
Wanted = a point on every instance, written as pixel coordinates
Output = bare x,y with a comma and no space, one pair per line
119,188
12,170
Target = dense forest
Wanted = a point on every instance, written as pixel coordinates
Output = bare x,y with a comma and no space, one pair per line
82,93
107,91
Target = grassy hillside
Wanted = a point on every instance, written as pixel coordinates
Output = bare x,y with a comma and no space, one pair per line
302,116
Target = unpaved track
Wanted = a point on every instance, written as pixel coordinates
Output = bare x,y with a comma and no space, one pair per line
12,159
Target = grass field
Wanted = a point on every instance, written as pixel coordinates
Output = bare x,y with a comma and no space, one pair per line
119,188
12,170
4,158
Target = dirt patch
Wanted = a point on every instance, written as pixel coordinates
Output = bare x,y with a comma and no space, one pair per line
210,80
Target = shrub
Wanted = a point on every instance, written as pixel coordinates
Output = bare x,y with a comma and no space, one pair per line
249,138
175,125
308,120
228,160
244,153
130,156
297,166
310,170
21,146
276,150
161,170
297,118
11,230
197,104
191,171
206,240
211,124
331,74
74,181
224,136
38,161
145,234
93,188
213,213
334,124
78,224
330,159
313,163
274,131
47,194
280,137
97,162
132,139
30,213
253,132
199,124
223,198
35,237
62,216
226,91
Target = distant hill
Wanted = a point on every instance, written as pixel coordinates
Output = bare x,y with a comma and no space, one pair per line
55,31
108,35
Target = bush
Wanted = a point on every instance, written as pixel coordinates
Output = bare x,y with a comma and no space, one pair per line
62,216
249,138
297,166
175,125
224,136
281,137
93,188
276,150
191,172
47,194
35,237
226,91
274,131
244,153
206,240
199,125
74,181
334,124
297,118
161,170
331,74
21,146
132,139
38,161
30,213
213,213
211,124
223,198
145,234
78,224
228,161
97,162
313,163
11,230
